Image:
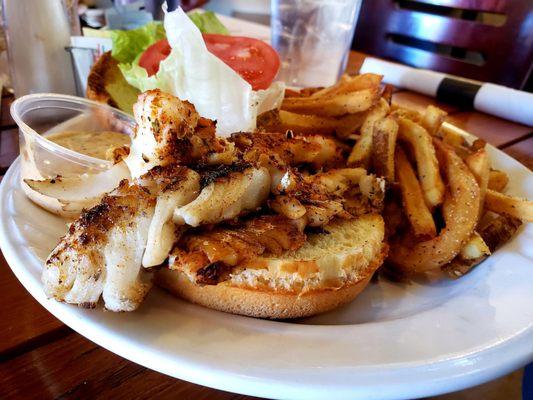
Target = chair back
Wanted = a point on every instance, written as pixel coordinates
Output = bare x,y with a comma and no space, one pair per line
486,40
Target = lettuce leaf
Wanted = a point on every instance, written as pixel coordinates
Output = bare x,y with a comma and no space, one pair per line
136,75
192,73
208,22
128,45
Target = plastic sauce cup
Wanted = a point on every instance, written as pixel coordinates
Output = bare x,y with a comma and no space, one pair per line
39,115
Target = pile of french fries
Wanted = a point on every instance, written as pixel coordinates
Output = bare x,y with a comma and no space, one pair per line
445,207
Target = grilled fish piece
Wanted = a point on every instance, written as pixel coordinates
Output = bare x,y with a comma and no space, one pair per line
278,151
318,198
317,150
170,131
208,255
226,198
101,253
174,186
315,198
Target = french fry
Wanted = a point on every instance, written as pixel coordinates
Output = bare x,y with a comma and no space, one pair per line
494,234
343,126
269,121
349,84
333,105
305,92
478,144
386,95
461,220
432,119
383,147
362,150
474,248
405,113
473,253
426,160
498,180
307,123
280,121
292,93
415,207
516,207
452,137
349,124
479,164
499,230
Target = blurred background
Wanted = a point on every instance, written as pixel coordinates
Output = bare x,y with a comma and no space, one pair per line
485,40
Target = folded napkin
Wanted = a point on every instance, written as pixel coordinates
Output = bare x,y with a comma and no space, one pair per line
504,102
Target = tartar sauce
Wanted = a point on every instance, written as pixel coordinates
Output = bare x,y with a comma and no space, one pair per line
93,144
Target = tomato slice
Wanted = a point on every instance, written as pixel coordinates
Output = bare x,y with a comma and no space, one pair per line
153,55
254,60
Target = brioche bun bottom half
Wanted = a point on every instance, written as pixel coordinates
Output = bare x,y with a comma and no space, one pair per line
261,303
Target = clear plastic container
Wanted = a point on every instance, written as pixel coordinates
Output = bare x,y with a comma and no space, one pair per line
39,115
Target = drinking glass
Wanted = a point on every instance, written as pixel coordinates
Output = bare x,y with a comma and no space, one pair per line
37,34
312,38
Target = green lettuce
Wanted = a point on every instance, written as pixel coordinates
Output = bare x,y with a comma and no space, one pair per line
192,73
208,22
129,45
138,77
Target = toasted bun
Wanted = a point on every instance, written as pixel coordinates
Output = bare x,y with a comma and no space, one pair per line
337,267
96,80
106,84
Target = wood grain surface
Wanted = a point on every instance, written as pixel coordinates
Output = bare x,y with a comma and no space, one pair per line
43,359
522,151
24,324
495,131
75,368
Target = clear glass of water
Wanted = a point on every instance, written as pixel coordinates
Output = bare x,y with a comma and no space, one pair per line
312,38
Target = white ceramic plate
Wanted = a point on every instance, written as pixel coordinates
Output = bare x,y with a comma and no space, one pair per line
394,341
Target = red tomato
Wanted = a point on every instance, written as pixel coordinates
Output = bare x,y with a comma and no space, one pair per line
153,55
254,60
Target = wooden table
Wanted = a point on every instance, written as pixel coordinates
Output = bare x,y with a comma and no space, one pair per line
42,358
